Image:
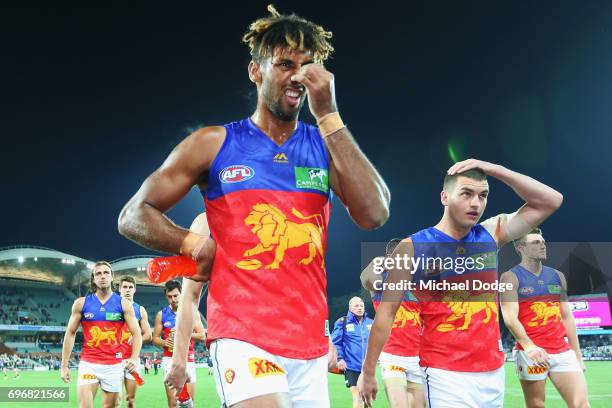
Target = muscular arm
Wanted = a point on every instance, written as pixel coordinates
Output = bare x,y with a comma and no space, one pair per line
357,183
198,331
368,277
568,318
130,320
142,219
510,310
145,327
387,309
157,331
71,329
185,322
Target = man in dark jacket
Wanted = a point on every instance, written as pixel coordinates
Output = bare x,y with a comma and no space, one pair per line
350,336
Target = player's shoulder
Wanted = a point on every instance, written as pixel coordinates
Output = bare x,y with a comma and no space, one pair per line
208,134
79,302
509,276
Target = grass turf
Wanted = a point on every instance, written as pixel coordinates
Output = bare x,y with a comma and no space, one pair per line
153,395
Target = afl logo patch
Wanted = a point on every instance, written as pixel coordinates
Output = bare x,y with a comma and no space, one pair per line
526,290
88,315
236,173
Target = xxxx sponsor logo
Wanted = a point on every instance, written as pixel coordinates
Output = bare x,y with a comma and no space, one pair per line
260,367
536,370
88,377
396,368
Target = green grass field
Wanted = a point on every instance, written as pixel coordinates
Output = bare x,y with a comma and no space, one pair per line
153,395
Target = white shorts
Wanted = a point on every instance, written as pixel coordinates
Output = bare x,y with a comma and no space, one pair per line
244,371
393,366
110,376
457,389
128,376
558,363
190,368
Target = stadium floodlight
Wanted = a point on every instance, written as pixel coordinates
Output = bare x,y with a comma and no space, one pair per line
35,259
20,259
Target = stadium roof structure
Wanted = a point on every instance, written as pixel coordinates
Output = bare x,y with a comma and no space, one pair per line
40,264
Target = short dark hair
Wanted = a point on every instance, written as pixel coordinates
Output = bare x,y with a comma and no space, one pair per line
287,32
171,285
521,240
127,278
474,174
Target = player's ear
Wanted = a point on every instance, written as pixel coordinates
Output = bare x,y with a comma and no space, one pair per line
254,72
444,198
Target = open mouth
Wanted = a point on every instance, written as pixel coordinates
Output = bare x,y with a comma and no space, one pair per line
293,96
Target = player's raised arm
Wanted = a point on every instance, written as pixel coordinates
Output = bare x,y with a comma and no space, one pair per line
510,310
69,336
385,316
145,327
351,175
142,219
540,200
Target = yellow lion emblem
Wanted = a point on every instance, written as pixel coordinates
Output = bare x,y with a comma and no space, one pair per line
276,233
125,336
98,335
466,309
404,316
544,311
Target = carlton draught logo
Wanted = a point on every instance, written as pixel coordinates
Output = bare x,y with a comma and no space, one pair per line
404,316
543,312
236,173
464,311
277,234
259,367
536,370
98,335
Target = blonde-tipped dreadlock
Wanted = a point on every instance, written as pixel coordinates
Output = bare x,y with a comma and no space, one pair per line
287,32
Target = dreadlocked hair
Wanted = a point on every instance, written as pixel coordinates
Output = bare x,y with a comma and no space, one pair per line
287,32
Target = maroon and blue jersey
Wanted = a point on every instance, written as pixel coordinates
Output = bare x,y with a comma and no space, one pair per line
540,308
102,324
268,207
168,323
126,336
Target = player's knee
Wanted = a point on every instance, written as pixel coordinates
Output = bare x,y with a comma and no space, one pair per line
535,403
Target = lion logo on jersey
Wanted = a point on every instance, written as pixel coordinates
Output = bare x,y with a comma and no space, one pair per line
277,233
466,308
544,311
404,316
125,336
98,335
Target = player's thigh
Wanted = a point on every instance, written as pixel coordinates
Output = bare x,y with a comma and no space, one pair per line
247,376
572,387
86,394
415,394
395,389
109,399
130,389
534,392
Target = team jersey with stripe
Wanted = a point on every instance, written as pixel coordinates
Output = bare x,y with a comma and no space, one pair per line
460,324
102,324
405,337
126,342
540,308
168,323
268,208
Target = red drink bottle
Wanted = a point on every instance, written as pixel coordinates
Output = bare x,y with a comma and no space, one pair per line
184,398
137,377
163,269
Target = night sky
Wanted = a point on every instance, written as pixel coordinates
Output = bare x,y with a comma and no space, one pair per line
93,100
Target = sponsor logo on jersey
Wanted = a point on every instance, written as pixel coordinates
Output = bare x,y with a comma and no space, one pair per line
229,375
236,173
536,370
88,315
260,367
113,316
312,178
526,290
167,324
280,158
396,368
556,289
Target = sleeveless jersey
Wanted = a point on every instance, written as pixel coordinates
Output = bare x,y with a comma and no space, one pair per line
126,343
540,310
405,337
168,322
268,208
102,324
460,321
